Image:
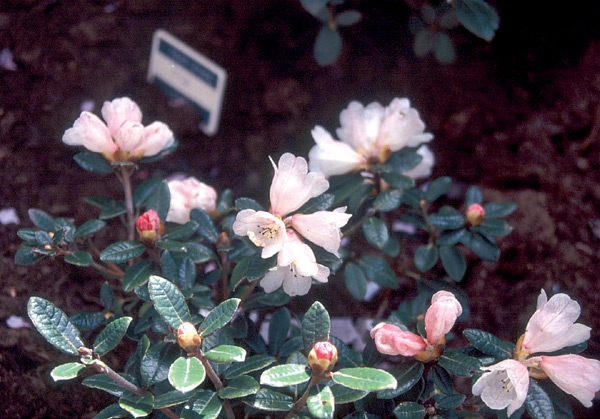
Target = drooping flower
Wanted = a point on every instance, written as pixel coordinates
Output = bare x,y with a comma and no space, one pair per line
123,137
278,232
550,328
370,134
439,319
188,194
504,385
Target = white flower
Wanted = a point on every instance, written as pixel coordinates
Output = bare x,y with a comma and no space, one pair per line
505,385
423,169
322,227
188,194
263,229
369,133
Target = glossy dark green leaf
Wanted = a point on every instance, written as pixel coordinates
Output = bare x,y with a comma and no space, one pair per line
157,361
368,379
226,353
106,295
447,221
426,257
388,200
206,227
473,196
278,329
111,411
499,209
66,371
79,258
442,380
409,410
443,49
459,364
437,188
489,344
168,301
199,253
348,17
171,245
26,255
478,17
181,232
355,280
391,248
159,200
27,234
172,398
239,387
328,46
41,219
111,335
270,400
537,402
450,237
397,180
87,321
186,274
413,197
186,373
137,406
122,251
285,375
343,394
137,275
105,383
451,401
144,190
319,203
321,405
205,405
251,364
247,203
481,246
346,357
258,267
453,262
379,271
93,162
493,227
219,316
315,326
54,325
406,375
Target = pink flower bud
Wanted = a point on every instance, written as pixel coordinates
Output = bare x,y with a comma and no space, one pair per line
188,337
322,357
149,227
475,214
391,340
441,315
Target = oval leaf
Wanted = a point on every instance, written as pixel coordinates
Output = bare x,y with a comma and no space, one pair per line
205,405
321,405
369,379
251,364
239,387
375,232
219,316
54,325
409,410
111,335
285,375
137,275
186,374
328,46
122,251
93,162
538,403
79,258
66,371
478,17
355,280
453,261
226,353
168,301
137,406
489,344
426,257
266,399
89,227
315,326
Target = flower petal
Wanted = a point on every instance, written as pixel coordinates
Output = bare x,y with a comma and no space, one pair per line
353,128
273,279
129,136
391,340
299,255
505,385
120,110
573,374
262,228
293,186
188,194
332,157
401,127
423,169
157,137
441,315
89,131
322,227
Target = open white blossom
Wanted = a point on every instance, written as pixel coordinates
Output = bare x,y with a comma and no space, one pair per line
504,385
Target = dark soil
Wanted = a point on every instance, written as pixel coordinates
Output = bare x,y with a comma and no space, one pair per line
519,116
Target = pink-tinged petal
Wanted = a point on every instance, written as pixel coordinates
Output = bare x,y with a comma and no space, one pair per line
298,255
441,315
157,137
120,110
322,274
188,194
401,127
332,157
274,278
573,374
423,169
353,128
263,229
505,385
322,228
293,283
553,326
89,131
293,186
391,340
129,136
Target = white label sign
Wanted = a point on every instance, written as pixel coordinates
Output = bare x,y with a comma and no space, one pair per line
184,73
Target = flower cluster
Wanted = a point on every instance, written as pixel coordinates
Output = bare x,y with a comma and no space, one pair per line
439,319
123,137
369,135
280,231
187,194
550,328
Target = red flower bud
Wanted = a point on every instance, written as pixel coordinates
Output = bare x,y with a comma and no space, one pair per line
188,337
475,214
322,357
149,227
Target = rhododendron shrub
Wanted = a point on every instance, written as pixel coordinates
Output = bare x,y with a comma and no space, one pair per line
199,282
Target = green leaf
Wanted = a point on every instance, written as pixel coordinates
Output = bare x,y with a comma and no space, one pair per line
441,379
89,227
473,196
278,329
144,190
111,335
453,262
499,209
239,387
172,398
226,353
493,227
407,375
315,326
458,363
181,232
137,406
54,325
219,316
447,221
185,374
206,227
87,321
122,251
258,267
66,371
251,364
388,200
348,17
450,237
489,344
117,209
378,270
199,253
437,188
322,404
344,394
443,49
270,400
313,6
79,258
285,375
482,247
186,275
318,203
397,180
111,412
478,17
205,405
369,379
450,402
168,301
93,162
137,275
391,248
346,356
426,257
27,234
247,203
409,410
328,46
159,199
537,402
355,280
157,361
171,246
41,219
106,295
105,383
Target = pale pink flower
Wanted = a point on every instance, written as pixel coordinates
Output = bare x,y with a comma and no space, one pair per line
188,194
391,340
441,315
262,228
504,385
123,137
553,326
573,374
322,227
423,169
369,133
